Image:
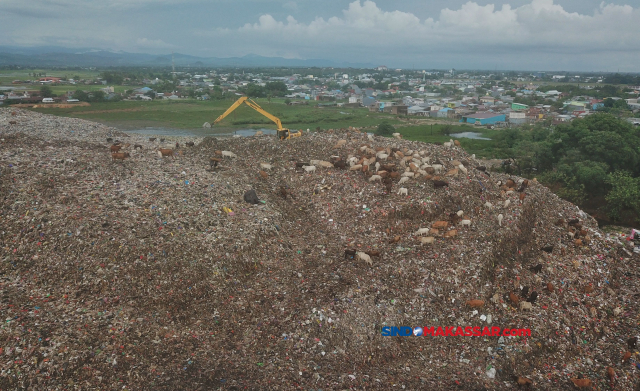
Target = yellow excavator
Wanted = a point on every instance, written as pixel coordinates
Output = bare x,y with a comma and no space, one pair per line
283,133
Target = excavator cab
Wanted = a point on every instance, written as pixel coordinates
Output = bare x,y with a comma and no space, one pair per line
283,134
286,134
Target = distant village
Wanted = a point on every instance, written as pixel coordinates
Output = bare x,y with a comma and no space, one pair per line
489,99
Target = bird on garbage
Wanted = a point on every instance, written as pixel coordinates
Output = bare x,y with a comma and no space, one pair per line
548,248
550,287
283,192
626,357
524,292
632,342
537,268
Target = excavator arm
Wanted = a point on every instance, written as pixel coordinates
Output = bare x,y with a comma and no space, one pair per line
260,110
230,109
254,106
282,132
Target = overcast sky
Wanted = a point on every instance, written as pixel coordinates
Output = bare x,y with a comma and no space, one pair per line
581,35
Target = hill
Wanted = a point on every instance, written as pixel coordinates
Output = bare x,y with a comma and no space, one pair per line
66,57
155,272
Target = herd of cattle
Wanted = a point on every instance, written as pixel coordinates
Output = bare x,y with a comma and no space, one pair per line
118,149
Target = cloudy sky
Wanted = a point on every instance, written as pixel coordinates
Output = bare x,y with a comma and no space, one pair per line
581,35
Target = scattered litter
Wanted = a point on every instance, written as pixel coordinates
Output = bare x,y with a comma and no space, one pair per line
118,274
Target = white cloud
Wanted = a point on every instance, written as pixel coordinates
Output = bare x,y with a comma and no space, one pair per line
531,34
540,25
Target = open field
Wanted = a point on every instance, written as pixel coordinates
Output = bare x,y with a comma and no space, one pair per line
9,75
191,114
433,133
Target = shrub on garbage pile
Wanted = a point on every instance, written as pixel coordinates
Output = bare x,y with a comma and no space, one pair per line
385,129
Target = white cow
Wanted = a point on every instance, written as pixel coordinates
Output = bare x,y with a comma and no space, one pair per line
422,231
427,240
364,257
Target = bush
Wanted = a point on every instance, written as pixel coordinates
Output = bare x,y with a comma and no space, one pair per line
624,194
385,129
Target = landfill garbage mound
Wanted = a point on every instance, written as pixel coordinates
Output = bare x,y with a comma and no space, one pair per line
165,273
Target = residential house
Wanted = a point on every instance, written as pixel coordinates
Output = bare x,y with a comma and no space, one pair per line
576,106
417,110
13,95
142,90
49,80
367,101
444,113
487,100
483,118
596,104
517,117
399,109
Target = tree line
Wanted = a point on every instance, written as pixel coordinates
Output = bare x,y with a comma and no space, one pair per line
593,162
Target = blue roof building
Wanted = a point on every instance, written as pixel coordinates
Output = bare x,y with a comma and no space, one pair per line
483,118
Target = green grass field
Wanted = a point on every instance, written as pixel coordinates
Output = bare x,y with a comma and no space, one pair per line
23,74
431,133
191,114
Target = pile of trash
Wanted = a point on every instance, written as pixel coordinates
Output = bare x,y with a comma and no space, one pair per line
253,263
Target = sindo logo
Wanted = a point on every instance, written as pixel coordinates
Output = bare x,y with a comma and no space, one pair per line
453,331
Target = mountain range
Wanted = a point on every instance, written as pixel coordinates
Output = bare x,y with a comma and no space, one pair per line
54,56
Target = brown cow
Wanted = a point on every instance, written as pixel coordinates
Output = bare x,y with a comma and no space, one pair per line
450,234
440,224
120,156
166,152
115,148
213,162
